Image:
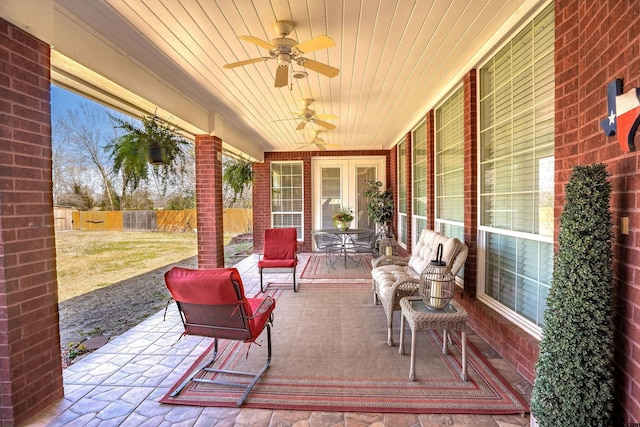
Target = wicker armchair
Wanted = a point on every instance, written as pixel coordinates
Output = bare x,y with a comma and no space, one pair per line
395,277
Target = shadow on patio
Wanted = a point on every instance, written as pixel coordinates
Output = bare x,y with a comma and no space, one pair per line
121,383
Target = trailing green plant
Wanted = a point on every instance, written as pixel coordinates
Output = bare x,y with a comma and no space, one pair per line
380,206
238,175
574,383
130,152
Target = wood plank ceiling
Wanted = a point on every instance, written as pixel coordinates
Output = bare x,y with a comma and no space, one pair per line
397,58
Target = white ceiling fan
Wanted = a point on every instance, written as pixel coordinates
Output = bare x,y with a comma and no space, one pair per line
309,116
286,50
319,142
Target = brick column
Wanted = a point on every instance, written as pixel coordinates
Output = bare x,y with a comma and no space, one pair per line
30,356
470,180
209,201
431,175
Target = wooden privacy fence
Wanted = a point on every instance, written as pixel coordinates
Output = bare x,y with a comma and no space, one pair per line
234,221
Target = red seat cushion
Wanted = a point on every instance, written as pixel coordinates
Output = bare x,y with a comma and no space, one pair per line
214,287
277,263
280,243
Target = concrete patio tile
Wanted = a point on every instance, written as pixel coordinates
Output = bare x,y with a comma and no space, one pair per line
95,368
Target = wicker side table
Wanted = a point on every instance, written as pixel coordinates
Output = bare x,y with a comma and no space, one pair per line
420,318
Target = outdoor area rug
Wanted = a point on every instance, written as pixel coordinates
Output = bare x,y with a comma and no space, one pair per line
330,354
317,268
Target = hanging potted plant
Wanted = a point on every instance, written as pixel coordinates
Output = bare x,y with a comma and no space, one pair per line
574,382
153,143
155,140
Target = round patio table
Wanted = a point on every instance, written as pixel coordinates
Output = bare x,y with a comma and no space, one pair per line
345,237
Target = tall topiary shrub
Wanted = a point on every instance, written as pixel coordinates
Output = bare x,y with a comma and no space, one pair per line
574,372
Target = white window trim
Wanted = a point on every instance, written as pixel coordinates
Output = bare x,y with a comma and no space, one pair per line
525,324
521,321
300,238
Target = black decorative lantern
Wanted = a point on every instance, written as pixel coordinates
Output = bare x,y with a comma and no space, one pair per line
437,283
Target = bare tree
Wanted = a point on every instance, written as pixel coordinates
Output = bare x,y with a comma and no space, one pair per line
83,133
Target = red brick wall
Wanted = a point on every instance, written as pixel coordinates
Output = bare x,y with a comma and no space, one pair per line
597,42
262,191
209,201
470,180
30,358
392,183
431,174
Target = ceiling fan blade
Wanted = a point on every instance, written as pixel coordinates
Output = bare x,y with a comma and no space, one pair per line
333,146
245,62
257,41
319,67
301,125
327,117
320,42
325,124
321,147
282,76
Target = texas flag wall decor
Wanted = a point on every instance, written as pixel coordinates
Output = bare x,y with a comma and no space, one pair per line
624,114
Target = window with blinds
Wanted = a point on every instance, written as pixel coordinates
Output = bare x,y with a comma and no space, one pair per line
516,169
449,165
419,168
402,193
287,198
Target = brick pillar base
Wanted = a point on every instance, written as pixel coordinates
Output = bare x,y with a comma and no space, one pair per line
209,201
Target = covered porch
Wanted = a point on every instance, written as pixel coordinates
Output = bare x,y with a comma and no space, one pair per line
122,382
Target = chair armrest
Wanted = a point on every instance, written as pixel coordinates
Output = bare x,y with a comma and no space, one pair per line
390,260
405,284
264,306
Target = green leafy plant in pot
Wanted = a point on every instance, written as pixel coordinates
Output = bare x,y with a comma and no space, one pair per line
380,206
153,143
342,219
574,374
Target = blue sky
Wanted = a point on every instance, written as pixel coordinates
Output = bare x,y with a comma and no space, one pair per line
63,100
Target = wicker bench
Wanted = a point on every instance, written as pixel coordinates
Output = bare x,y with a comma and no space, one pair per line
395,277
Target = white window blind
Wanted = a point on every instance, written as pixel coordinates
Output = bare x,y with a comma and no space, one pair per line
287,198
449,173
419,168
516,169
402,193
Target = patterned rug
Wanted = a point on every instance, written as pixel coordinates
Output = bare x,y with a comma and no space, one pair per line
330,354
357,267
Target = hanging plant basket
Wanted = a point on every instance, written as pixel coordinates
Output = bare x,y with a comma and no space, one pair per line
157,155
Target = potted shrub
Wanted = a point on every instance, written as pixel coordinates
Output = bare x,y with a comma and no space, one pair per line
380,206
574,373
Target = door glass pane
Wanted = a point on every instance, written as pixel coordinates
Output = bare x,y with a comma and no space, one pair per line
364,174
331,189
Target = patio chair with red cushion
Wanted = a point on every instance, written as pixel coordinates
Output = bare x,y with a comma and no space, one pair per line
280,251
212,304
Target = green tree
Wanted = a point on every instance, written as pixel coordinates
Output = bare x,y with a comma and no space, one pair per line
574,372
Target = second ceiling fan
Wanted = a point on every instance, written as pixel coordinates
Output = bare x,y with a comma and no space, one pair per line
309,116
286,50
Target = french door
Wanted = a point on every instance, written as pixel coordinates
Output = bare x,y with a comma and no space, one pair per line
341,182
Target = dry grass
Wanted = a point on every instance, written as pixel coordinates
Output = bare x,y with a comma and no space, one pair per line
90,260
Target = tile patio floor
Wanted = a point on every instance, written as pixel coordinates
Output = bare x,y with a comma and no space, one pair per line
120,384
